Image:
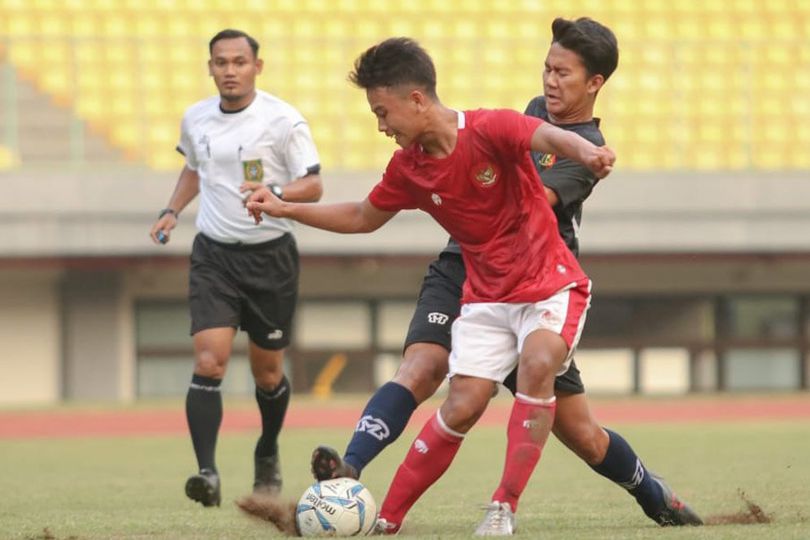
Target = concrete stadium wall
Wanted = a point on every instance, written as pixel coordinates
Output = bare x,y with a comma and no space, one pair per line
30,331
107,210
75,258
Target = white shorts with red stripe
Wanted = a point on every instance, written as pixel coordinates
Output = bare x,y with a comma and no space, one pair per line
488,337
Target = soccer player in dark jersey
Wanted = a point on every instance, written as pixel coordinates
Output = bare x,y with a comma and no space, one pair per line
524,298
582,56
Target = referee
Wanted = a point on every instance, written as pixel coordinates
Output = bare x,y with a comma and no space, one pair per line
242,275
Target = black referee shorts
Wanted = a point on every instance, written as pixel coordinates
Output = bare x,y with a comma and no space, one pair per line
439,304
249,286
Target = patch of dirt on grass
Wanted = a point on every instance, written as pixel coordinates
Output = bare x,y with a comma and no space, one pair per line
751,515
279,512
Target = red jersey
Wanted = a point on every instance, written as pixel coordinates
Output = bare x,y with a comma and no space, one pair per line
488,196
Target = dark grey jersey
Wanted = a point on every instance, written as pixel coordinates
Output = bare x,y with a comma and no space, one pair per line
570,180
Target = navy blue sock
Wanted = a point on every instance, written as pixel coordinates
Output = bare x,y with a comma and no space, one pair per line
623,466
204,415
273,407
385,416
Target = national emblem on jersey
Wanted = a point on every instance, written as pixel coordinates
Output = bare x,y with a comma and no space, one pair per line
254,172
547,160
486,175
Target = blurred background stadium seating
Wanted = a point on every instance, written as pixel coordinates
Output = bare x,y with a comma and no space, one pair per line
703,85
698,244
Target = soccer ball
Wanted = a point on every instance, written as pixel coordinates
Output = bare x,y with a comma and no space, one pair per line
337,507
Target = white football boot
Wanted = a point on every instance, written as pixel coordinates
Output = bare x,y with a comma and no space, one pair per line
498,521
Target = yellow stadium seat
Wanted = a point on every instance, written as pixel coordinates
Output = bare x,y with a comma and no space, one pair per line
58,82
690,70
24,53
90,105
19,24
8,158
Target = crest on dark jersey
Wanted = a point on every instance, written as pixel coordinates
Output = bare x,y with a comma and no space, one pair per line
254,172
547,160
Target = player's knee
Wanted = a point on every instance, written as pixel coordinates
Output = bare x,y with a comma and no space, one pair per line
422,374
539,368
589,443
268,380
209,364
267,370
462,410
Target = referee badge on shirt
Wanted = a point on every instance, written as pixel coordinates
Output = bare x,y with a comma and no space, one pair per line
253,170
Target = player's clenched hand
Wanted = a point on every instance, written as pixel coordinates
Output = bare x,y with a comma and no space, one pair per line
248,188
263,201
600,160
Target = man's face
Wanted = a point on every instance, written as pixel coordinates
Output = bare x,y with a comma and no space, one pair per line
396,112
566,84
234,68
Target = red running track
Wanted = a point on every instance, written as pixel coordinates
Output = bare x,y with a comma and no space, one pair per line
311,414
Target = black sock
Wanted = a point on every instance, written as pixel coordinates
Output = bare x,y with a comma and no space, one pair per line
204,416
385,416
623,466
272,406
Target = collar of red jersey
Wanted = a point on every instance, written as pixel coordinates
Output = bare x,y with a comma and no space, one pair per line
462,120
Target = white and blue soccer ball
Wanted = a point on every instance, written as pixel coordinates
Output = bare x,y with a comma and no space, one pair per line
337,507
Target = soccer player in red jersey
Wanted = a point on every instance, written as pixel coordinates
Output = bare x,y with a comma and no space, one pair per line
581,58
525,297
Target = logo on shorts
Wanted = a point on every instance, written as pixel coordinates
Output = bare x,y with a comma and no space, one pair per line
436,199
421,446
275,334
561,269
254,172
438,318
374,427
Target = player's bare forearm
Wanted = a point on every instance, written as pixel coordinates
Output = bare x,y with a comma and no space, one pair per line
347,218
550,139
306,189
188,186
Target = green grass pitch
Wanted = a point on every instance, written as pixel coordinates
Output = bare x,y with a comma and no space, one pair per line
132,487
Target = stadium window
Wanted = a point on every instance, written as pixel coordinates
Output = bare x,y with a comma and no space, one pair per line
165,357
765,318
394,318
333,325
761,369
649,321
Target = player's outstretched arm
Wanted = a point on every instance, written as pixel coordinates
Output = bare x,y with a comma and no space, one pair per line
349,217
550,139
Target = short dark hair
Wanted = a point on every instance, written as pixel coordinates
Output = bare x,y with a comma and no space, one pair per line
595,43
230,33
395,62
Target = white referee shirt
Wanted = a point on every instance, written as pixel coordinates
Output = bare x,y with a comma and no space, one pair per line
268,141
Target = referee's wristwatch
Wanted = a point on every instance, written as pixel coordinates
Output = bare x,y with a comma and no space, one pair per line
276,190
